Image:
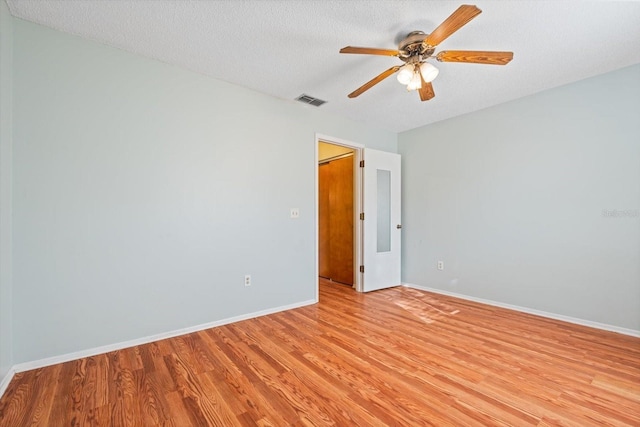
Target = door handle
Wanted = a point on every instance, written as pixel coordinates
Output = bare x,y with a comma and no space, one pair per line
399,226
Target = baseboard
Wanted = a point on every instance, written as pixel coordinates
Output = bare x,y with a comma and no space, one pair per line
568,319
6,380
27,366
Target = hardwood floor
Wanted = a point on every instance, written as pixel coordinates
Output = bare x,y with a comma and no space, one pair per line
397,357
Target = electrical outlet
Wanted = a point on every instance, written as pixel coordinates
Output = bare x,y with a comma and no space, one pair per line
247,280
295,213
440,265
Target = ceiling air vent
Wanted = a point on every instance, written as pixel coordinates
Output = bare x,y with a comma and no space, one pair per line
310,100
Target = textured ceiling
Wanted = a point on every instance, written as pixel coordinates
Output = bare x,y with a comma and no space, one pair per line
286,48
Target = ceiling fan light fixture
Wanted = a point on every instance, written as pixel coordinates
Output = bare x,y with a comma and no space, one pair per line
415,49
429,72
405,74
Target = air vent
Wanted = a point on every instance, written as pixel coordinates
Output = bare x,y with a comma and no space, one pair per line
310,100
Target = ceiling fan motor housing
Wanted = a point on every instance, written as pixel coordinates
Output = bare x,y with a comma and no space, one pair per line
413,48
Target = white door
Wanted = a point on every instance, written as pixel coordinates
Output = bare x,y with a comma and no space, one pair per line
382,233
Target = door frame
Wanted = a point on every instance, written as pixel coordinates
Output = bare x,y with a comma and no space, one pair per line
357,206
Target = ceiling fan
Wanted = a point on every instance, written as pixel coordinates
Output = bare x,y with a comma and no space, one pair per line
417,47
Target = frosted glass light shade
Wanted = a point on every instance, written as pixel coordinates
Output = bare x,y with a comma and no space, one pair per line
405,74
428,71
415,82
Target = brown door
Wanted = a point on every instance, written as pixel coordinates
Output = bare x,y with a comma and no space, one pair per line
335,222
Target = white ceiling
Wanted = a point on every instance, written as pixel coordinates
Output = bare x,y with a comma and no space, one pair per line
286,48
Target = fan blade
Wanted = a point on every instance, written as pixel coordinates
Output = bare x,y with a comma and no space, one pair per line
374,81
426,91
453,23
475,56
369,51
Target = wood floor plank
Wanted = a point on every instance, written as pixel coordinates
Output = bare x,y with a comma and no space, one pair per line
59,408
45,388
399,356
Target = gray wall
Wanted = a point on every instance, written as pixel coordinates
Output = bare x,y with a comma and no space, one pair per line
144,193
6,344
512,199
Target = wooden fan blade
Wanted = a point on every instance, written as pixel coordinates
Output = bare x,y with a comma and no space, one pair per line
426,91
453,23
374,81
475,56
369,51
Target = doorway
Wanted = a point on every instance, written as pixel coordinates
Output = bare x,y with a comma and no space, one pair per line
376,192
336,213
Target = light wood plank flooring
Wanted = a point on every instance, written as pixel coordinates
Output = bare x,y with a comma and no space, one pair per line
397,357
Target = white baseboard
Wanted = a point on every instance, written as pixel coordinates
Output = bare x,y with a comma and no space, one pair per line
27,366
6,380
568,319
